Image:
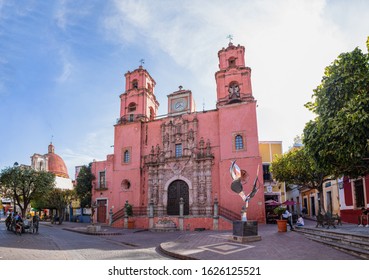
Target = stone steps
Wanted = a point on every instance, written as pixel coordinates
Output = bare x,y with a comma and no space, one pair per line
351,243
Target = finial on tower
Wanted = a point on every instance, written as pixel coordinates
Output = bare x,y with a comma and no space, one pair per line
142,62
230,38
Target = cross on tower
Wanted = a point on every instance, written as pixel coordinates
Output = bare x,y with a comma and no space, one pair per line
230,38
142,61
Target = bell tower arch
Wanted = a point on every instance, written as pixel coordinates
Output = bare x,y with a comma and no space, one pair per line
233,78
138,102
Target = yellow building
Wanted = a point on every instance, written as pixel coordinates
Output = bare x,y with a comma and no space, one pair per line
273,190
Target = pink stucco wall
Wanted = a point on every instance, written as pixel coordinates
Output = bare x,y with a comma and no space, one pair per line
218,126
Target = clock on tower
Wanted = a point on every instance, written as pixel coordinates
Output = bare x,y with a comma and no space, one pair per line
180,102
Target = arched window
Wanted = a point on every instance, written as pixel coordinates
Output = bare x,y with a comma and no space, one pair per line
132,107
238,142
152,114
232,62
126,156
135,84
234,90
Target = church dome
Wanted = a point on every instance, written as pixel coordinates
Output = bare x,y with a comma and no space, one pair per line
56,164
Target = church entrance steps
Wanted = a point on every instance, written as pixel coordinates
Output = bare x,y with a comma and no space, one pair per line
351,243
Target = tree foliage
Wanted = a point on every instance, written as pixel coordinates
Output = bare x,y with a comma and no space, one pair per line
297,167
24,184
59,199
84,185
338,137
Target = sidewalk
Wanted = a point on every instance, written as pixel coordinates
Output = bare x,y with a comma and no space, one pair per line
216,245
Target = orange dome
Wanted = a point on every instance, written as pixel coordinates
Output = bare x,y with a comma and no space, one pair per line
56,164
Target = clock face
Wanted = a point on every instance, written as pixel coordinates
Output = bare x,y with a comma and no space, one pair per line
179,105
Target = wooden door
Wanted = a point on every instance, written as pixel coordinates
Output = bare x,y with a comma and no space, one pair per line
178,189
101,211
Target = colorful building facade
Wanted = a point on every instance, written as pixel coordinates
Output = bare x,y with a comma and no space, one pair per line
53,163
354,195
186,155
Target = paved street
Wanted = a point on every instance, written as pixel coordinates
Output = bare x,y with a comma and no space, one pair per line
69,241
53,242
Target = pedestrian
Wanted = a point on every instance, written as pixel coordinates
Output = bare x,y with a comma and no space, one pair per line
287,216
300,221
304,211
364,215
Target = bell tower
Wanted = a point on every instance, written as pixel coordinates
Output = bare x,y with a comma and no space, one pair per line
138,102
233,78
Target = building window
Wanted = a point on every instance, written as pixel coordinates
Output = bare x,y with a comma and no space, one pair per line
178,150
132,107
126,156
234,90
102,184
125,184
359,193
131,117
239,142
266,172
135,84
152,114
232,62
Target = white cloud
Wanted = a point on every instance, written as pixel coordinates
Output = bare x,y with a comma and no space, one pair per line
288,45
95,145
66,64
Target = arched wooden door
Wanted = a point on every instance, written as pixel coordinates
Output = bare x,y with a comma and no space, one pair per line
178,189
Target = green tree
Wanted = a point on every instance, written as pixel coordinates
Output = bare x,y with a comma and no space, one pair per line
24,184
59,199
338,137
297,167
84,185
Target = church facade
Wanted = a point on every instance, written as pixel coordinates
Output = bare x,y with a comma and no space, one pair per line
186,155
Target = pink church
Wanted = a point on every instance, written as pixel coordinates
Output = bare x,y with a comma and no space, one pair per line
185,155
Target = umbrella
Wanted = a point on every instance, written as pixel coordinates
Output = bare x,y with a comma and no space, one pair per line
272,202
289,202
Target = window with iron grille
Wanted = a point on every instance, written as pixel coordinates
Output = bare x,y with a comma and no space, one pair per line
102,180
239,142
178,150
126,156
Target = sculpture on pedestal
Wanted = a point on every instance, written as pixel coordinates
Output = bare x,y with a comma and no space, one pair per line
239,177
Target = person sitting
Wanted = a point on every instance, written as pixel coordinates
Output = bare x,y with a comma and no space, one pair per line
364,215
300,221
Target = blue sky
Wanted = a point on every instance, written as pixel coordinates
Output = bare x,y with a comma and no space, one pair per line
62,63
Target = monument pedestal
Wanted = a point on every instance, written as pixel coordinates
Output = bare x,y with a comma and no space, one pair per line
244,232
93,228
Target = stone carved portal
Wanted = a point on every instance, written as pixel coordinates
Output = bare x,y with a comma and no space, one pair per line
193,168
178,189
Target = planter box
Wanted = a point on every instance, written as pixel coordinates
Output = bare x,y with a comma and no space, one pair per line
282,225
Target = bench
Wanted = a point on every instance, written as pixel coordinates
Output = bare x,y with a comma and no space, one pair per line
328,219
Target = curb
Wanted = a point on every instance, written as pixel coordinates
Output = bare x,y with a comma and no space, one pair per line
93,233
174,255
